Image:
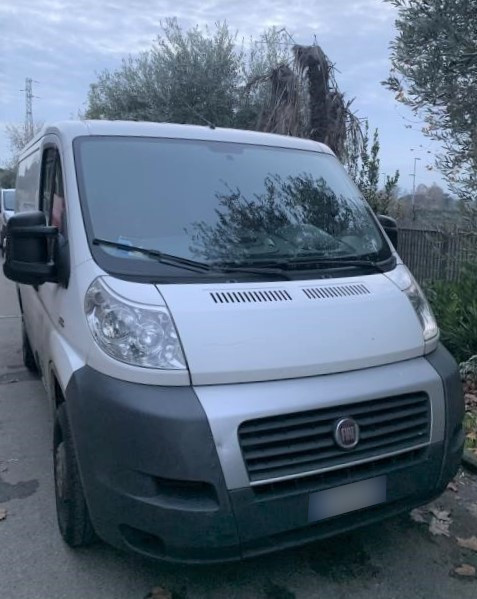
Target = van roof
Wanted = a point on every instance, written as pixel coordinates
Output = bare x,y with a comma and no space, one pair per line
69,130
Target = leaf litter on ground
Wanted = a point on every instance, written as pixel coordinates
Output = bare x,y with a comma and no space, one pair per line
438,523
470,543
417,515
3,513
464,570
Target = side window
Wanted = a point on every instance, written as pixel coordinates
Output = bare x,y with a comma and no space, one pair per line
47,175
58,212
52,193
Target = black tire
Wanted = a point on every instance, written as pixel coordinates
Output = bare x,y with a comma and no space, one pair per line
27,352
71,509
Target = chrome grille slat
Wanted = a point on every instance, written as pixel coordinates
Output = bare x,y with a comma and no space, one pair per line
292,444
334,465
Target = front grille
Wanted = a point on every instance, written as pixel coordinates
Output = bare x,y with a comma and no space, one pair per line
302,442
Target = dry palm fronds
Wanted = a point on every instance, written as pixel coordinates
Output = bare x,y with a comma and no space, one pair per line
305,100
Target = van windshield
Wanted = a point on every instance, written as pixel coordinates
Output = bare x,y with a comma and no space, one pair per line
9,199
223,203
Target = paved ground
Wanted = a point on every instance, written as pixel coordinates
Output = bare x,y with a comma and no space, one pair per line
394,560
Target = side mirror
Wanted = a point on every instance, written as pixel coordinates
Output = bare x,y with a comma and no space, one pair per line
390,228
30,248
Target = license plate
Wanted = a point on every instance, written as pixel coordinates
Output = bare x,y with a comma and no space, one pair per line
347,498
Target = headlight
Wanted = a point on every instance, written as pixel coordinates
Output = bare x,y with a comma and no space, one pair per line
423,311
132,333
408,285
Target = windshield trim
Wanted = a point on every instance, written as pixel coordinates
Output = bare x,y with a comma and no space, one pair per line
155,271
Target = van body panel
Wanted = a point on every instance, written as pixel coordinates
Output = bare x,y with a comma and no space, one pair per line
346,324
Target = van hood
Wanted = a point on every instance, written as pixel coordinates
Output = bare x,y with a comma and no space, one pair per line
237,333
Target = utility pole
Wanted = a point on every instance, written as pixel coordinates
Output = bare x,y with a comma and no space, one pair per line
28,127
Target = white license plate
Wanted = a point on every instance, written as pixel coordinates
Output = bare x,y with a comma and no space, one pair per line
347,498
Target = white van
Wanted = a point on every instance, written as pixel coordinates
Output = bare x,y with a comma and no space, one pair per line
236,357
7,208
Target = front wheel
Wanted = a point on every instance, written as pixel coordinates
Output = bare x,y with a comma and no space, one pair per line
27,352
71,509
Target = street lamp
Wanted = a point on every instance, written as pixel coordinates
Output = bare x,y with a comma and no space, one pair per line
413,175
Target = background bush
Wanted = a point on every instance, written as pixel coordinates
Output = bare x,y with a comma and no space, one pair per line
455,307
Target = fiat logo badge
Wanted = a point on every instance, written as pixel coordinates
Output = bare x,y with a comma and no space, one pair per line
346,433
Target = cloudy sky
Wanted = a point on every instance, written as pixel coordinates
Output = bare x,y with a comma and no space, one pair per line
62,44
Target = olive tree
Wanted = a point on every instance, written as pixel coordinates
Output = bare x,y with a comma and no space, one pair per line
434,72
186,77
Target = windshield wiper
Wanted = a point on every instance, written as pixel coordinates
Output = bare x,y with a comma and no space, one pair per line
156,254
328,262
278,272
194,265
344,262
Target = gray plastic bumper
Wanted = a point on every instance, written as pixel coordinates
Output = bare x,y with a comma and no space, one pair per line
154,482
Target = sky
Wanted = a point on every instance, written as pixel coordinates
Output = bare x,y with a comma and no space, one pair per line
63,44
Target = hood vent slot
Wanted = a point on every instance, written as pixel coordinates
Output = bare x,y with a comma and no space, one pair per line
337,291
251,297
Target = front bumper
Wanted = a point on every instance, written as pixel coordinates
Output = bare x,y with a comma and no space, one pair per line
154,482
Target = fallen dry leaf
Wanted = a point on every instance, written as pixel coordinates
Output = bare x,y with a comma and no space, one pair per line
439,527
158,593
442,515
418,516
464,570
470,543
3,513
453,487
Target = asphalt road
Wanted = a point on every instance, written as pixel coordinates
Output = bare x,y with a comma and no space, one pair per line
397,559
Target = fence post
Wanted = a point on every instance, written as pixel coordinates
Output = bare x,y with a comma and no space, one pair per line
444,257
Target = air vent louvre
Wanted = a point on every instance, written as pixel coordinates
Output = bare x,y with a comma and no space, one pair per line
251,296
331,292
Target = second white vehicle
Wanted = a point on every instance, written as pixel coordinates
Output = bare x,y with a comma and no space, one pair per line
7,209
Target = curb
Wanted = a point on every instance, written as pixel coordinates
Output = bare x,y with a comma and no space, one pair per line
469,460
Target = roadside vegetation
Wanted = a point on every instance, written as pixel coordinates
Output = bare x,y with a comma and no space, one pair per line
455,307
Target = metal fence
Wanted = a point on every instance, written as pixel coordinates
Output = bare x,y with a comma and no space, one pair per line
437,255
